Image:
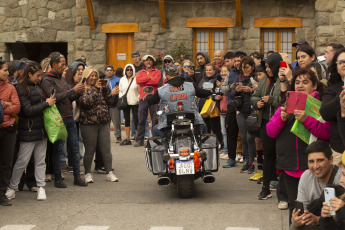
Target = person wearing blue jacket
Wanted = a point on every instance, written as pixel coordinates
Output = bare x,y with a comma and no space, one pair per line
114,112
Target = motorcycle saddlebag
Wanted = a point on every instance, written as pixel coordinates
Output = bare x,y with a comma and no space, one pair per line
209,144
156,149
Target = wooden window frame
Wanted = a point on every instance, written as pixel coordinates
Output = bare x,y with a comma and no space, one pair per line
277,32
210,32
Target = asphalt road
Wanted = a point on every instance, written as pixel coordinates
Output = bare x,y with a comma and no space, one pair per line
137,202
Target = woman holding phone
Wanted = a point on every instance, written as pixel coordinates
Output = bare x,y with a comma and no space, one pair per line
241,101
94,122
31,133
291,150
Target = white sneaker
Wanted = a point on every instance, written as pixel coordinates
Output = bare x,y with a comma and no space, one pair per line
239,158
88,178
10,193
111,177
224,157
41,194
48,178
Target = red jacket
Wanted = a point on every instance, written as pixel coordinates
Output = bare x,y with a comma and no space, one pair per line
9,94
145,78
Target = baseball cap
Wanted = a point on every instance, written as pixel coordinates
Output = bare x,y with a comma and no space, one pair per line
171,70
300,42
21,65
135,53
109,67
147,56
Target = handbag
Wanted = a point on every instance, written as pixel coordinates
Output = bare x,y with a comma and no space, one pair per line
224,104
252,124
122,102
208,108
53,124
215,112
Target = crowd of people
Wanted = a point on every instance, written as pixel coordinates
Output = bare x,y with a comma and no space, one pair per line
251,93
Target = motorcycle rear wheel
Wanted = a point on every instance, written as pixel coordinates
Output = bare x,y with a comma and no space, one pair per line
185,186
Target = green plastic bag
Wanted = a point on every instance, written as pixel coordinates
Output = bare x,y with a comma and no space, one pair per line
54,125
312,108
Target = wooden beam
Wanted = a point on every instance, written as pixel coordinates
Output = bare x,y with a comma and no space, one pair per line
90,13
113,28
277,22
209,22
163,17
238,13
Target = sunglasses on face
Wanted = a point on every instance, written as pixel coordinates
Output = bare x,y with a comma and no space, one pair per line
186,66
129,70
167,61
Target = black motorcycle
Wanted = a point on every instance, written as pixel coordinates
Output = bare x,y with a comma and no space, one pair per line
184,155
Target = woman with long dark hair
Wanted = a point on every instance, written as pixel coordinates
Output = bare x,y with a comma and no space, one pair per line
331,104
241,101
31,132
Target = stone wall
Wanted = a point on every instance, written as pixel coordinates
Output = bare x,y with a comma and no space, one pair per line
330,23
36,21
67,21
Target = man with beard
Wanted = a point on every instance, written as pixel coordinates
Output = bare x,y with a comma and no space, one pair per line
202,59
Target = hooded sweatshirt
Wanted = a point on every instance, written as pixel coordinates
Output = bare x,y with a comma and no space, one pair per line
163,77
133,92
200,71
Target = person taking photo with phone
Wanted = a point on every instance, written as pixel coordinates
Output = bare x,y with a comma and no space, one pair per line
94,122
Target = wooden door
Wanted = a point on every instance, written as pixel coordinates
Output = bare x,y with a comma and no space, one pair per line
119,49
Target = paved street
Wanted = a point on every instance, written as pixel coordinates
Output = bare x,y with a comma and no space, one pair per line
137,202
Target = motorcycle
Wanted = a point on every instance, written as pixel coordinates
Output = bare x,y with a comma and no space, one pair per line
184,155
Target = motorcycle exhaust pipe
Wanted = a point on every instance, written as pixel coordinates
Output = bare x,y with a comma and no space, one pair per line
208,179
163,181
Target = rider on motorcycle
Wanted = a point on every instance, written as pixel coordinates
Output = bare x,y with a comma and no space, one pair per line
175,95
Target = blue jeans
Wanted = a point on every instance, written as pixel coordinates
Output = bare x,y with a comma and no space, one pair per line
225,136
59,150
147,128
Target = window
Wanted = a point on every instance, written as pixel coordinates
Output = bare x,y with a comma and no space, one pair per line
279,40
209,40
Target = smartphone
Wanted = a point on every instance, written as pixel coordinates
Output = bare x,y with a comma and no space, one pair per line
83,81
192,67
329,193
117,83
53,92
219,78
103,82
299,205
283,64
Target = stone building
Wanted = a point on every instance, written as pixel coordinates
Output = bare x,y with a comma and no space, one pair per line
107,31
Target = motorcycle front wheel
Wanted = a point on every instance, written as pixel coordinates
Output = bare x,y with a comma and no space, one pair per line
185,186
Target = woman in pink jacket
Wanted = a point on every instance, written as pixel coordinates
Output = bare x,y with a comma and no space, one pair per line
291,155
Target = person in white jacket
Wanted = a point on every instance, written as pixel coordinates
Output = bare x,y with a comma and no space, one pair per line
132,100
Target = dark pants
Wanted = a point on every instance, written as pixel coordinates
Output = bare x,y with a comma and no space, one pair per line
59,149
142,115
127,115
213,124
8,137
291,188
232,133
269,148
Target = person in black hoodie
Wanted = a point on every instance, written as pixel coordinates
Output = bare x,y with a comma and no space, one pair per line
202,58
31,132
265,99
241,101
331,104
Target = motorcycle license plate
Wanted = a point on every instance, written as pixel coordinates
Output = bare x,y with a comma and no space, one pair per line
185,167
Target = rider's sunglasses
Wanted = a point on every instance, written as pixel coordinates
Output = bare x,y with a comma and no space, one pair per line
167,61
186,66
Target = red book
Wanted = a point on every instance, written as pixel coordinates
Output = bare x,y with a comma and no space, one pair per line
295,101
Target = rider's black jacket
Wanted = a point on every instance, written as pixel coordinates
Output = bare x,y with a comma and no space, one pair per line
177,81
